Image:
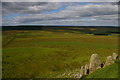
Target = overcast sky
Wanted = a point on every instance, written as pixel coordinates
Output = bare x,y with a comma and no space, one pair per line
60,13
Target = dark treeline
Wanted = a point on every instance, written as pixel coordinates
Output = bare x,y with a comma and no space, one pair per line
99,30
21,27
37,27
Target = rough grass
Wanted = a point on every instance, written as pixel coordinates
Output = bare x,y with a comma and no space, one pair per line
32,53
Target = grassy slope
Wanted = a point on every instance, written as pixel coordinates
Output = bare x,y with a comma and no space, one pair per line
107,72
32,53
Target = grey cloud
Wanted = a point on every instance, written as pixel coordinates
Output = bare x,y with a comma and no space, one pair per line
28,7
60,1
92,10
104,12
106,17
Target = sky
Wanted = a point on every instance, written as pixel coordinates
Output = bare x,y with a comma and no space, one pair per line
60,13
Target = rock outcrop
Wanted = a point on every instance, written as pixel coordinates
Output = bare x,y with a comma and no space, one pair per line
95,63
109,61
81,71
115,56
86,69
118,57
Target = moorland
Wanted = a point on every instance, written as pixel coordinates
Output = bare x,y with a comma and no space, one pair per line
53,51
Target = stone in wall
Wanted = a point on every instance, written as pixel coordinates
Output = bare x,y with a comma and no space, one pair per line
118,57
81,73
86,69
95,63
77,75
115,56
109,61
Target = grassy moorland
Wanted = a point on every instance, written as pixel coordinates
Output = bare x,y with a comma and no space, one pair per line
50,54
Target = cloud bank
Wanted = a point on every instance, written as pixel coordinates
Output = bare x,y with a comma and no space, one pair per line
60,13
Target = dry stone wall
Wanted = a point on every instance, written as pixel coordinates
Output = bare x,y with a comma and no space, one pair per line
96,63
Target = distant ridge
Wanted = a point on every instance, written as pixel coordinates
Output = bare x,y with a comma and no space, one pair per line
41,27
63,26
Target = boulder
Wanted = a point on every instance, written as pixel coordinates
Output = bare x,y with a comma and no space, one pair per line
95,63
109,61
82,71
86,69
115,56
118,57
78,76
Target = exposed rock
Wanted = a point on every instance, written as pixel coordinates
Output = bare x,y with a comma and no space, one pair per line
86,69
95,63
115,56
109,61
77,75
82,71
118,57
80,76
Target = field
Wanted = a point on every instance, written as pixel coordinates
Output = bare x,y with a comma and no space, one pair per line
51,54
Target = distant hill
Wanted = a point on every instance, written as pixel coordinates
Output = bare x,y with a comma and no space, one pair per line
96,30
37,27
